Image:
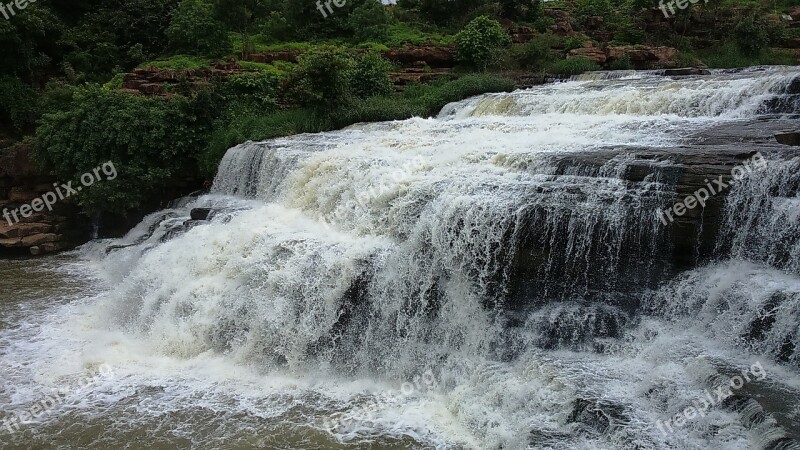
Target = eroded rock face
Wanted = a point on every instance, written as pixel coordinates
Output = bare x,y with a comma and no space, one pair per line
35,232
596,54
645,57
434,57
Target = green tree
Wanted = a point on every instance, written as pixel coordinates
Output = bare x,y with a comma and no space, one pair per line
481,42
195,30
369,20
151,141
370,76
241,16
322,78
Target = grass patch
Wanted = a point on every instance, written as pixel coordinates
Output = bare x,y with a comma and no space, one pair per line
279,68
180,62
400,34
730,56
572,66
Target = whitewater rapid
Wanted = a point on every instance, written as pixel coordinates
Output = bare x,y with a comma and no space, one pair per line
495,251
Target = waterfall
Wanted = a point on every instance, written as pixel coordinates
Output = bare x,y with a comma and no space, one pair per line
507,250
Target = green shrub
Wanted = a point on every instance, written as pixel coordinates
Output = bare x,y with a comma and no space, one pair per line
370,76
623,63
150,141
194,30
114,83
573,66
256,89
368,21
751,35
536,53
481,42
322,78
19,103
400,34
572,43
179,62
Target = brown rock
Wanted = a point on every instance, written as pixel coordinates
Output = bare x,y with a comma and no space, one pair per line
46,248
23,229
595,54
644,57
39,239
794,12
435,57
16,162
152,88
22,195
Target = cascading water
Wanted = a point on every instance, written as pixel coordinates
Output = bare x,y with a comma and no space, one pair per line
507,252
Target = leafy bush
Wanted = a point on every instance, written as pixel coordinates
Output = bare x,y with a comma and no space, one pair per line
179,62
19,103
194,30
572,43
623,63
481,42
368,21
370,76
258,90
151,141
573,66
751,35
536,53
322,78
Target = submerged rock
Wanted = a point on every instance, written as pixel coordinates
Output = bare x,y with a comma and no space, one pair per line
789,138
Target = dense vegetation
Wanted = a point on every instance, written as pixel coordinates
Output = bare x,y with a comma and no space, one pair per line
63,64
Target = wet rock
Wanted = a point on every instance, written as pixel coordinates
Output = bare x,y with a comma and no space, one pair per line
200,213
596,415
789,138
686,71
46,248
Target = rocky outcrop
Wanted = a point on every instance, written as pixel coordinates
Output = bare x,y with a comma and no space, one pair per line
645,57
415,75
27,227
434,57
562,19
639,56
271,57
542,265
596,54
151,81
